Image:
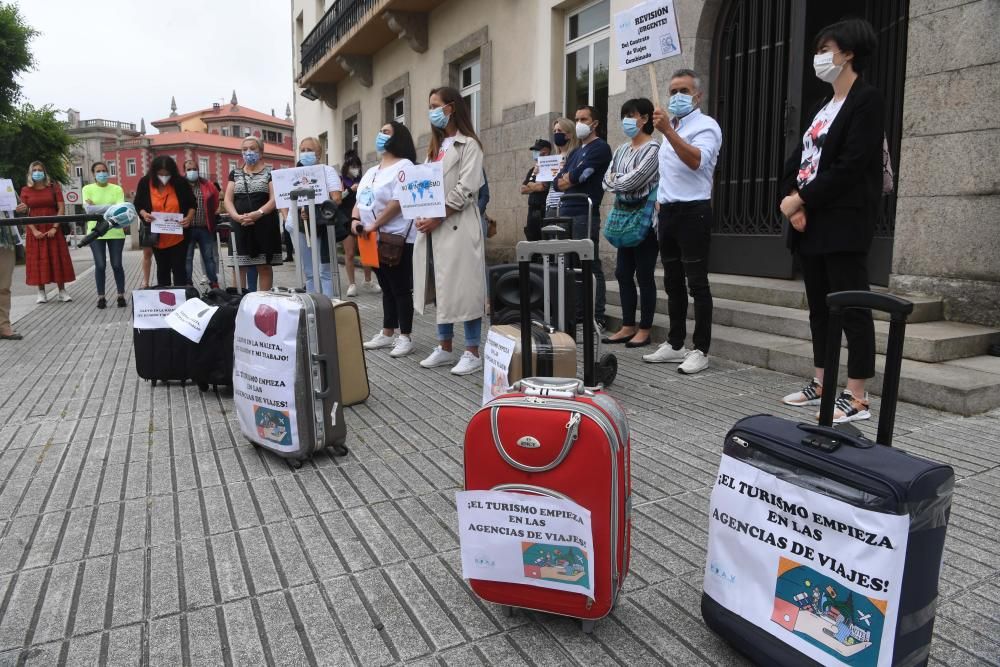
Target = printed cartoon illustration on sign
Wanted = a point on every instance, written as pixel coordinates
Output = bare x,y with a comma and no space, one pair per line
498,381
554,562
273,425
839,621
168,299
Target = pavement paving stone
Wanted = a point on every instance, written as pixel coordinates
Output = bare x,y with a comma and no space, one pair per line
137,526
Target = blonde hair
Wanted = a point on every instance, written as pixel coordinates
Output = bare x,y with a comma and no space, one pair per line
31,167
256,140
569,129
320,158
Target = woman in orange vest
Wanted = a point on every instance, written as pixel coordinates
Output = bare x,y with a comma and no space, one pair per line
163,190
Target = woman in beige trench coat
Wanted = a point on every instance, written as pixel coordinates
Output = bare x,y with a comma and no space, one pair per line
448,256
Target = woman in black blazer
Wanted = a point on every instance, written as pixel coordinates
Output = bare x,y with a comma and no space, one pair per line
834,183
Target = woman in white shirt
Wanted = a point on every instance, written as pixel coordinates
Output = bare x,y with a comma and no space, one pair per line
311,154
376,210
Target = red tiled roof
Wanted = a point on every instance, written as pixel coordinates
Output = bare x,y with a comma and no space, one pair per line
213,141
226,112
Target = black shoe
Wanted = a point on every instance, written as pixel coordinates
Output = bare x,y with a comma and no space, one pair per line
102,303
121,302
644,343
607,340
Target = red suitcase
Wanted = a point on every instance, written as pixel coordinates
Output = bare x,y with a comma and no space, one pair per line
560,438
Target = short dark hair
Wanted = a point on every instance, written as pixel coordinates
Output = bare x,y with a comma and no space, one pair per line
400,143
592,110
643,107
854,35
99,163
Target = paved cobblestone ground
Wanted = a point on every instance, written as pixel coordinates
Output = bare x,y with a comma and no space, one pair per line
138,527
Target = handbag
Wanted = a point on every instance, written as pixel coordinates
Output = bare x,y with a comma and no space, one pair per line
147,237
629,222
391,246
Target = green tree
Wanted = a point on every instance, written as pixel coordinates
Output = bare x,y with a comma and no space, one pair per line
15,57
29,134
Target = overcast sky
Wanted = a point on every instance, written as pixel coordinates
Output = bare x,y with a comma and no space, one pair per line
123,59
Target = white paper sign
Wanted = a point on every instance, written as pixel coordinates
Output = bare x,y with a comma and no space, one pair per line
297,178
819,574
526,539
8,197
646,33
191,319
497,354
264,365
420,191
548,167
150,307
166,223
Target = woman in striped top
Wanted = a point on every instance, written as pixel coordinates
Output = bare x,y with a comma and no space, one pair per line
632,177
565,142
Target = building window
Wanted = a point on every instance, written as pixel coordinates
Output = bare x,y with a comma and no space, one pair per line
79,172
588,59
112,168
351,131
324,144
469,83
397,108
130,166
203,167
232,165
273,137
225,131
234,130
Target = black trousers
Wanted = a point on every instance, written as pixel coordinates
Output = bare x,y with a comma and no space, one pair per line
172,260
685,231
397,293
637,265
837,272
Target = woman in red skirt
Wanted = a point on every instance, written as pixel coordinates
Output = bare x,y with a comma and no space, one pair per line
46,255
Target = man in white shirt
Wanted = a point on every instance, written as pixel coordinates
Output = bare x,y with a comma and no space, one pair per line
687,157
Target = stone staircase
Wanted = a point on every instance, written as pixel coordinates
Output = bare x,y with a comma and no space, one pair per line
765,322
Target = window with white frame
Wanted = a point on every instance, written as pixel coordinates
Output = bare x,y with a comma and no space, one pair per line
469,77
351,134
397,106
130,166
588,59
203,167
112,168
79,172
232,165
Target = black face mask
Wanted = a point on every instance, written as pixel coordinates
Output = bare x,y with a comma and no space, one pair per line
559,138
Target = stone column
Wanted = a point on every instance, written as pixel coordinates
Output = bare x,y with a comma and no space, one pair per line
947,239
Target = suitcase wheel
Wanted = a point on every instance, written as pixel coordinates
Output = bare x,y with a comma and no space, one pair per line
203,386
587,626
153,382
295,463
607,369
340,450
508,612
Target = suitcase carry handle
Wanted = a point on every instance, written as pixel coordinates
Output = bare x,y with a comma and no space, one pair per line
556,387
324,390
572,432
898,310
838,436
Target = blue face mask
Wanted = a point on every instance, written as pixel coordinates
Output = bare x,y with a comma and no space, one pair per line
38,176
101,177
381,139
681,105
630,126
307,158
438,118
192,175
534,155
251,157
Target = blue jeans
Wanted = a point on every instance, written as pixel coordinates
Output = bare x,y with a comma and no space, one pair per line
473,331
115,246
252,278
581,230
305,258
205,240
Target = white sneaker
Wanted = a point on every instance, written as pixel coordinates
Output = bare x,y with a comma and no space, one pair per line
352,290
403,347
666,355
373,286
379,341
438,358
468,364
63,296
695,361
41,297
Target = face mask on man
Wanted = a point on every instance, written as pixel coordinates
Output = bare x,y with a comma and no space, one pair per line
582,130
307,158
353,172
438,118
251,157
381,139
824,67
192,175
559,139
37,176
681,104
164,178
630,126
102,177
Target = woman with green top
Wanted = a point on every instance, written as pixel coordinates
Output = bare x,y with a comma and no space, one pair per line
99,195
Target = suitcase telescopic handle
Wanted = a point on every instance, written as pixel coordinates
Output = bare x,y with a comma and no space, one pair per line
898,310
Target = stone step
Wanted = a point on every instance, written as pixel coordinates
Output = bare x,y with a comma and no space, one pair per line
966,386
930,342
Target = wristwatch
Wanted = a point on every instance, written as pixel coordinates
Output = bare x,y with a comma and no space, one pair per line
261,212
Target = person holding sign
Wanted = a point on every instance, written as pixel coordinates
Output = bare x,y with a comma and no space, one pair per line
448,256
102,194
250,204
164,190
684,200
377,210
536,191
47,257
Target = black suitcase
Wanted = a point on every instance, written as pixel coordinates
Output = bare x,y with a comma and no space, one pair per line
162,354
212,362
824,547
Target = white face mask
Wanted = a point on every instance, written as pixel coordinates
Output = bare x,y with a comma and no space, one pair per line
824,67
164,179
582,131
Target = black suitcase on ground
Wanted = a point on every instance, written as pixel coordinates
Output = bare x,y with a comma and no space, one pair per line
162,354
212,362
825,547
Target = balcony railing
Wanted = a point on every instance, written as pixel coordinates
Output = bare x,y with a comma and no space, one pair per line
123,144
109,124
338,21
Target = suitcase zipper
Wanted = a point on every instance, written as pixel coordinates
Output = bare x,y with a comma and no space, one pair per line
809,459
